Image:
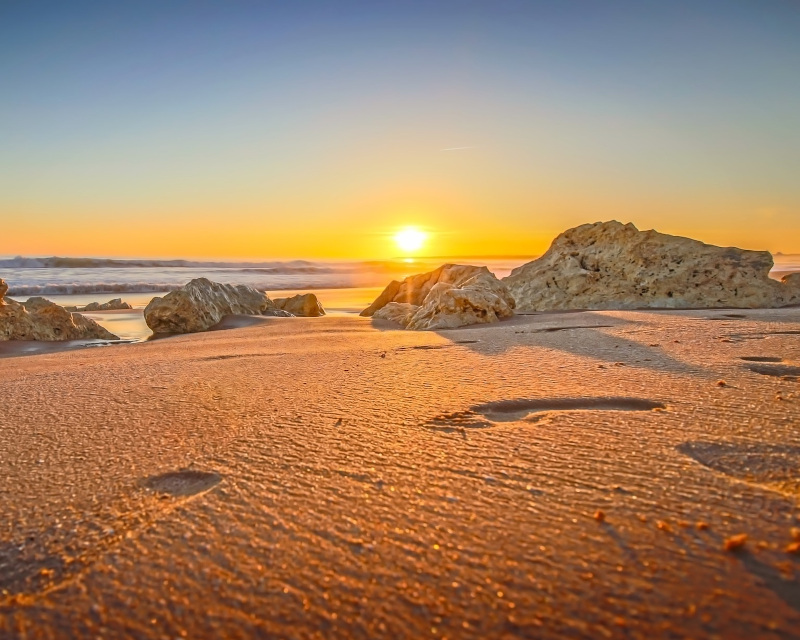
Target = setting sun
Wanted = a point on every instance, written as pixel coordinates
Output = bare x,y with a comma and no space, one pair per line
410,239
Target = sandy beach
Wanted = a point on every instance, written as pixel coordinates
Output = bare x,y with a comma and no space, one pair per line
554,475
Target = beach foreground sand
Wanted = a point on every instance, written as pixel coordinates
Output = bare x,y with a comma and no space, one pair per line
334,478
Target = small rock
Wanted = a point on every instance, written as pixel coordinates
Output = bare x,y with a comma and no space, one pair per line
735,543
305,305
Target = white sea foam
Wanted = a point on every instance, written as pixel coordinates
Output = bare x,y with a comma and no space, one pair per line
76,276
69,276
56,262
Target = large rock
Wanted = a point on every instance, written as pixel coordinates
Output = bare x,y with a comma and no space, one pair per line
449,297
480,300
305,305
610,265
414,289
40,319
201,304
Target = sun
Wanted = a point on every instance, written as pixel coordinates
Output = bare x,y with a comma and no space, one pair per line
410,239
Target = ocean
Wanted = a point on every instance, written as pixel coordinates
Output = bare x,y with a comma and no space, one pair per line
342,287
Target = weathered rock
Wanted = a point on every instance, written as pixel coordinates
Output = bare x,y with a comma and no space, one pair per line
40,319
479,300
414,289
792,283
388,295
112,305
201,304
305,305
451,296
610,265
399,312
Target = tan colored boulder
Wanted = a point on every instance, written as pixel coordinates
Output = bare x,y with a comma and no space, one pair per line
399,312
414,289
305,305
40,319
200,304
451,296
610,265
387,295
477,301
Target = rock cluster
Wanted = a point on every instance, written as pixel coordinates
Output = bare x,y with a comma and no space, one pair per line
449,297
200,304
40,319
305,305
610,265
112,305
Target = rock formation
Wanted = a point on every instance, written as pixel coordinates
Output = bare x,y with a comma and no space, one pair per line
40,319
305,305
610,265
449,297
200,304
112,305
399,312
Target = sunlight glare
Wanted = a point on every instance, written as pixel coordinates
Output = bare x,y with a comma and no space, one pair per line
410,239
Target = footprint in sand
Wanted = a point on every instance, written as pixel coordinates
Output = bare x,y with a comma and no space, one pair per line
758,335
784,371
423,347
431,347
234,356
533,410
776,467
588,326
728,316
188,482
47,561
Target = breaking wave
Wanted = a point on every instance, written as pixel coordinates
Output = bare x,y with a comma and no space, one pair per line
74,288
80,276
76,276
54,262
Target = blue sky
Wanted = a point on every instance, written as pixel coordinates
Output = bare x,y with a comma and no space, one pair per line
238,127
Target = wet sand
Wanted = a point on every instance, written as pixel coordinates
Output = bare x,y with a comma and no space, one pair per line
556,475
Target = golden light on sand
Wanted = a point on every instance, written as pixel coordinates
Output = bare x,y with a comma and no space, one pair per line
410,239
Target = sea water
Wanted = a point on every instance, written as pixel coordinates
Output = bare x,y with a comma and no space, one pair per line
342,287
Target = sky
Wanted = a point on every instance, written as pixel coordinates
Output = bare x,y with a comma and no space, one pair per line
318,129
